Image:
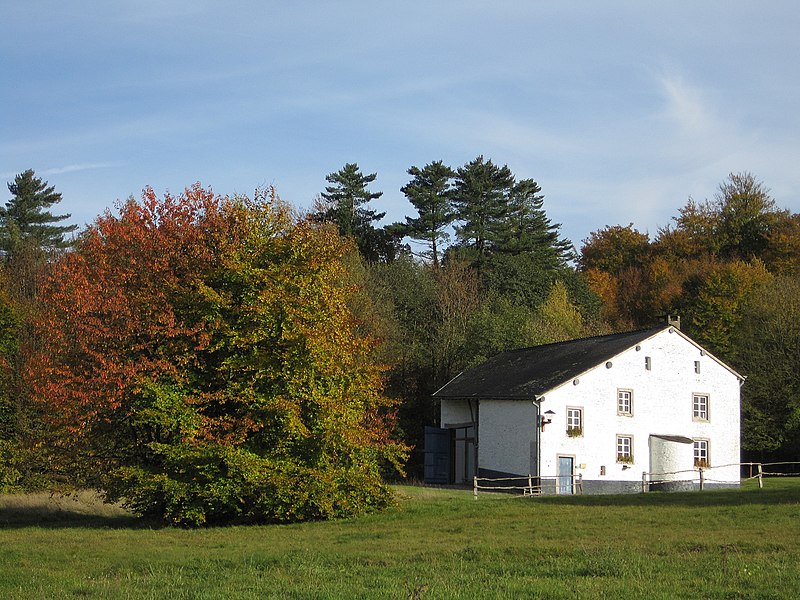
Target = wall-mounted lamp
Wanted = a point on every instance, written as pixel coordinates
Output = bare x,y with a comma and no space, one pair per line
546,418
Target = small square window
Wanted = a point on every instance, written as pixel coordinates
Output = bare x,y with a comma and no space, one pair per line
701,453
574,422
624,449
700,407
625,402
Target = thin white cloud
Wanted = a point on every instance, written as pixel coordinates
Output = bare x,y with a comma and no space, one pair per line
686,106
81,167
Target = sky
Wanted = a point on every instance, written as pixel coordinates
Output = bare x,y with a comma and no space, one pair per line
621,111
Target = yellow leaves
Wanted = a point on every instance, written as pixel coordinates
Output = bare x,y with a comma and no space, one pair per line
199,324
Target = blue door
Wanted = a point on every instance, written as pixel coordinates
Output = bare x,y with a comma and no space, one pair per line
437,455
566,466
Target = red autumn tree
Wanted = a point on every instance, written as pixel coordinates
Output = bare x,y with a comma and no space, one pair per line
201,355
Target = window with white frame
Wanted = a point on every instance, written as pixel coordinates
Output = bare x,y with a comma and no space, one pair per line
574,422
624,449
700,407
701,453
625,402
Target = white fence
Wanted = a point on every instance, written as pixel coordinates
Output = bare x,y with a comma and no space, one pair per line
532,485
700,477
705,475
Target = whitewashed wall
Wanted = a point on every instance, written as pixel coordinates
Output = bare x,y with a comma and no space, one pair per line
458,412
662,404
507,437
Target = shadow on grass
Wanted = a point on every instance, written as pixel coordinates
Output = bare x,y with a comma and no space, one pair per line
62,512
687,499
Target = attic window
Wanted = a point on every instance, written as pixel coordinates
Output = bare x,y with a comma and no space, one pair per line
697,366
648,364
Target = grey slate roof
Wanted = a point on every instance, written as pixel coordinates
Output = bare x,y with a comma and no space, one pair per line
530,372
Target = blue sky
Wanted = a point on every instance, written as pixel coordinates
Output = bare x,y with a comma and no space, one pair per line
620,110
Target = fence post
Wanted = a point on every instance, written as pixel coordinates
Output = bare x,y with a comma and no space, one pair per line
530,485
475,487
760,476
580,483
702,478
644,481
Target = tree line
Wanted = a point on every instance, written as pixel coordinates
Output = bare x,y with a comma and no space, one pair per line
730,266
209,359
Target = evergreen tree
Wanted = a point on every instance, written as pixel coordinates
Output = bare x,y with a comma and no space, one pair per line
429,192
480,199
527,230
25,219
345,203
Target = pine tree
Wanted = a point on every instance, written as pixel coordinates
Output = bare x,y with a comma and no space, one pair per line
528,230
480,198
25,218
429,192
345,203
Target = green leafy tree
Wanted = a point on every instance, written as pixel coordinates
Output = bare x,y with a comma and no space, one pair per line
767,342
520,278
558,319
204,361
26,218
614,249
497,325
404,293
747,216
29,238
742,222
429,192
10,447
715,300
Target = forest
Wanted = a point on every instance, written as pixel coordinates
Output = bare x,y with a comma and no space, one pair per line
207,359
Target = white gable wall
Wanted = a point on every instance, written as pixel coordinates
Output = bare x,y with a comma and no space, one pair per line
507,437
662,404
458,412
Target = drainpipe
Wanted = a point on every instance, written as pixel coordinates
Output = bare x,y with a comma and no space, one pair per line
537,403
477,435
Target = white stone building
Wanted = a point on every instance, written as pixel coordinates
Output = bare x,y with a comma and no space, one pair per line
607,408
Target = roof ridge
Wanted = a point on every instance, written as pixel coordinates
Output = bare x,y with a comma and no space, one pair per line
591,337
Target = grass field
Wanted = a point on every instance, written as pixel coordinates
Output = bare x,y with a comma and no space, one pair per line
437,544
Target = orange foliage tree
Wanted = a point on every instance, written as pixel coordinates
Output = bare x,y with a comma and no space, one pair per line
199,353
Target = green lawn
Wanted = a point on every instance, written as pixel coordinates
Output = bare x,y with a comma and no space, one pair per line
437,544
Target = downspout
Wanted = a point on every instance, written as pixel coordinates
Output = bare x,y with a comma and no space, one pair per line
537,402
477,434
